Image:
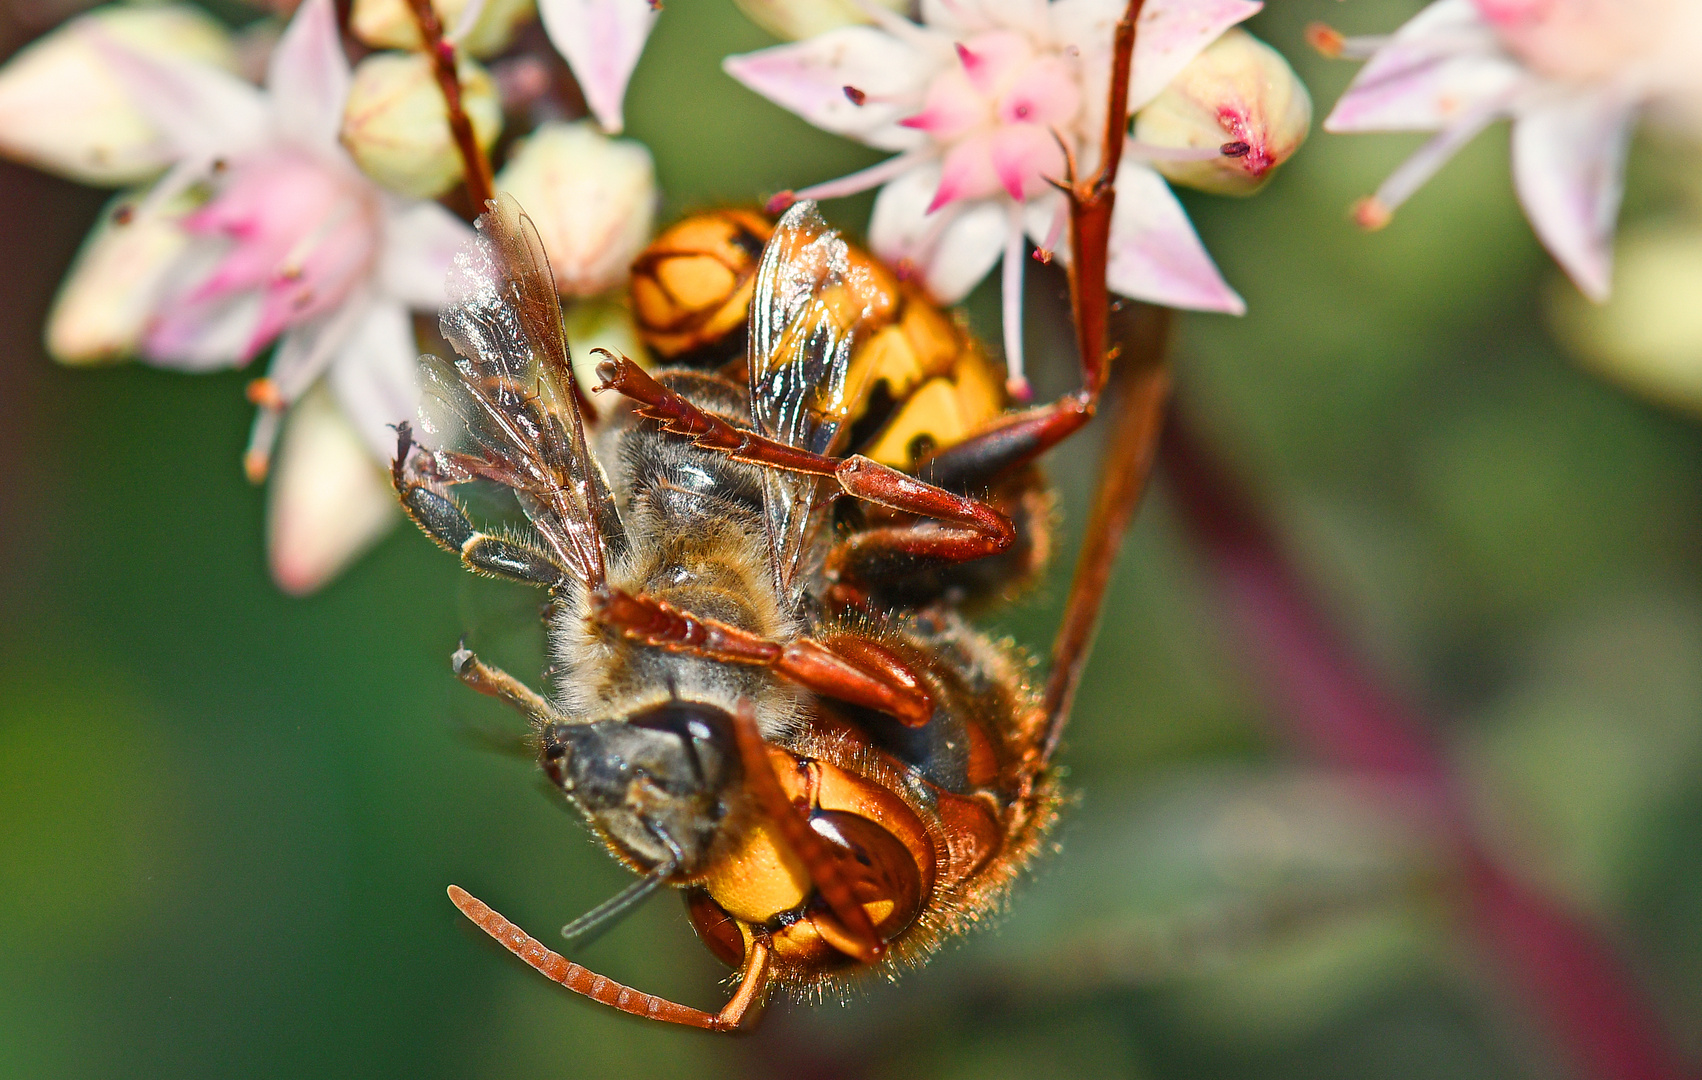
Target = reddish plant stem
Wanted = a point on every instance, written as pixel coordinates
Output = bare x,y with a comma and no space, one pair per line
1568,972
1090,216
476,167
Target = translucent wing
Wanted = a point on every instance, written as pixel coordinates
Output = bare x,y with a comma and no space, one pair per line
507,408
810,302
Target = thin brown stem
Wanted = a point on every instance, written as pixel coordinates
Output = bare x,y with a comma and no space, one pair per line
1090,220
1139,389
476,167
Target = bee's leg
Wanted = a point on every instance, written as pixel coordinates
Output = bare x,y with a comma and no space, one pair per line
501,685
849,669
966,528
427,500
557,968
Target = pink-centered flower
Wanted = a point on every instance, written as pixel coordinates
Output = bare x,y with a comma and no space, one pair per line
980,101
283,244
1572,75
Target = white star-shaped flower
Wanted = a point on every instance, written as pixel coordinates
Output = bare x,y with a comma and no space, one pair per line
1572,75
981,101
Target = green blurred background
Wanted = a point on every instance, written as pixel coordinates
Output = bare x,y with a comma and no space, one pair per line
227,817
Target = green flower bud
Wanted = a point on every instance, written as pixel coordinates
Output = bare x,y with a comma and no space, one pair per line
396,127
389,24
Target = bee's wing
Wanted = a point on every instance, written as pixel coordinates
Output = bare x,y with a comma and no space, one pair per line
805,316
507,408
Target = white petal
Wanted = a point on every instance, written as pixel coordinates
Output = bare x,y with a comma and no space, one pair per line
1569,168
951,249
329,499
420,242
201,110
1443,64
809,78
308,78
376,376
1168,34
963,17
63,110
1155,253
601,41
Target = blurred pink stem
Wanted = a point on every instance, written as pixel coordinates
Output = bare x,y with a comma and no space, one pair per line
1329,703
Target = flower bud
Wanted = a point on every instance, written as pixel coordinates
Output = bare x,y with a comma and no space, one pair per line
1239,97
329,500
396,128
109,296
389,24
63,111
1648,335
602,322
593,199
691,288
795,20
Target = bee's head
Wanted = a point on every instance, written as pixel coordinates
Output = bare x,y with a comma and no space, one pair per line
653,782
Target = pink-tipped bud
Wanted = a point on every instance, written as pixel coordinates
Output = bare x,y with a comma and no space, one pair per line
1238,98
1326,40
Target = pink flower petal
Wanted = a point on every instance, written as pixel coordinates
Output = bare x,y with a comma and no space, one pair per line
308,78
329,501
967,172
1569,169
809,78
1428,75
1025,158
375,376
1155,253
601,40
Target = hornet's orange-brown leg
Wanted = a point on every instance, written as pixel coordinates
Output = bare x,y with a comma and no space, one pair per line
557,968
860,940
860,672
969,529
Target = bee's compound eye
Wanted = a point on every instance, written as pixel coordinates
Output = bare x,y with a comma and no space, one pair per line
884,876
715,927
